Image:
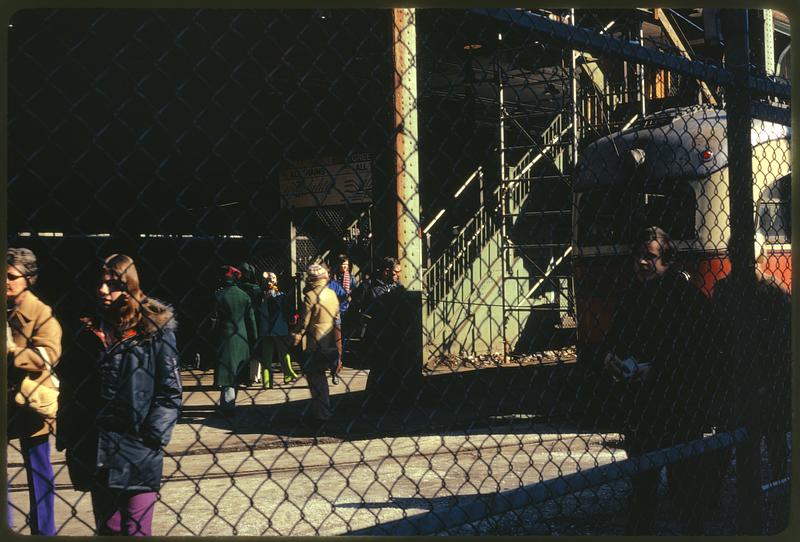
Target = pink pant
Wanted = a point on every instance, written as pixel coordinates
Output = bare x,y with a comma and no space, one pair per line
118,512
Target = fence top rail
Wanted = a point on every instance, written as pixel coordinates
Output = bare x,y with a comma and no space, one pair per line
591,41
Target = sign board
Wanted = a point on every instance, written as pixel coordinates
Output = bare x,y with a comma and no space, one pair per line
327,183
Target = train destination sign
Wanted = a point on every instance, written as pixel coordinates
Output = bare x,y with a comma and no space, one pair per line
327,184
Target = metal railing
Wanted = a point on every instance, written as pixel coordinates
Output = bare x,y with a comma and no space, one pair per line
479,230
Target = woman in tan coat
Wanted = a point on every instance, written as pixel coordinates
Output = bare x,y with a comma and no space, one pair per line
319,330
33,349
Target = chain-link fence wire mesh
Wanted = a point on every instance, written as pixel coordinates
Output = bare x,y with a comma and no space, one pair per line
558,353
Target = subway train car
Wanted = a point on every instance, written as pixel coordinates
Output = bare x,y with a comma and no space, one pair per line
671,170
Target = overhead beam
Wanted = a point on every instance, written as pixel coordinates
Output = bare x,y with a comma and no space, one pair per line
770,113
661,17
571,37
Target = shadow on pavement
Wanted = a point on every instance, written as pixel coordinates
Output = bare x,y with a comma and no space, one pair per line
553,398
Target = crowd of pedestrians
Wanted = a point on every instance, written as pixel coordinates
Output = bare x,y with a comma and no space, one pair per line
113,395
256,325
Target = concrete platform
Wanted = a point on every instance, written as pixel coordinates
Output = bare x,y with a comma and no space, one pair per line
266,470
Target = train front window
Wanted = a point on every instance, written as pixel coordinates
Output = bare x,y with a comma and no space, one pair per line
774,213
612,217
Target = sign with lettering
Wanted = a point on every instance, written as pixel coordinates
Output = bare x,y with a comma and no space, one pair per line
327,184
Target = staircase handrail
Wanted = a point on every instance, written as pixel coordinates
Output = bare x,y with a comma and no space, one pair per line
488,223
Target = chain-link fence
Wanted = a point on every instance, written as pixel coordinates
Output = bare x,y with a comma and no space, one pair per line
398,271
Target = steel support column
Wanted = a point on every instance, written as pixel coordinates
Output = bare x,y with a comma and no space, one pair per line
409,241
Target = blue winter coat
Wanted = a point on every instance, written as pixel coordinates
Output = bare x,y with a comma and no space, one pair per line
118,407
341,295
338,280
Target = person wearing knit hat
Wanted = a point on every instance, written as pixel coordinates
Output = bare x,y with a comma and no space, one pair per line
319,332
273,332
234,333
315,271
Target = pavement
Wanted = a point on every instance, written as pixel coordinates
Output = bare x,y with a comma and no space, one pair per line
267,470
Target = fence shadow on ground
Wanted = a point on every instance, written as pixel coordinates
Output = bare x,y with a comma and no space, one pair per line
517,399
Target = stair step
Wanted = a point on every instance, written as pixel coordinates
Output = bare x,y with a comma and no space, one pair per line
562,212
535,277
537,178
536,245
537,308
542,112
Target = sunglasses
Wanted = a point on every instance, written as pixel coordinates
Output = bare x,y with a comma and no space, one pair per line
13,277
114,285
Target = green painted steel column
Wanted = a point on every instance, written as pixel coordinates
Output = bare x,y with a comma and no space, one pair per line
402,370
409,241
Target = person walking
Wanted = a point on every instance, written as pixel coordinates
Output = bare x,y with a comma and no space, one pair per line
319,333
249,284
120,401
33,348
273,332
234,332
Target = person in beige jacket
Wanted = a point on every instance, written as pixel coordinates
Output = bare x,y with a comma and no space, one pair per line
33,348
319,331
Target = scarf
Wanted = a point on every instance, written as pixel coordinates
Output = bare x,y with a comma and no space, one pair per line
346,282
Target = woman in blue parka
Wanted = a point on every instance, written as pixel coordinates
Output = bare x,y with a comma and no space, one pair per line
120,400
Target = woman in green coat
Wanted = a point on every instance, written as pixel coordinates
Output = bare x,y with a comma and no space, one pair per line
234,332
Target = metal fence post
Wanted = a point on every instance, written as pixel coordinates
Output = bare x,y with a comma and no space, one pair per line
740,150
740,245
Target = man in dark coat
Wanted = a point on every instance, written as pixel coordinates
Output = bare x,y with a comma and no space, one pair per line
364,297
755,332
234,332
390,321
659,322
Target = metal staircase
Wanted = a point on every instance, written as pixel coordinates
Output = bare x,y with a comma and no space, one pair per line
538,295
477,232
465,304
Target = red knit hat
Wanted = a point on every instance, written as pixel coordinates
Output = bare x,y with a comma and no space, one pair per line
230,272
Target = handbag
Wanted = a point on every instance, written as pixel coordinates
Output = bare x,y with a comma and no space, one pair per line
36,396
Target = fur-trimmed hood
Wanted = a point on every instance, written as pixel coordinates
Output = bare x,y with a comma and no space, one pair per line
156,315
